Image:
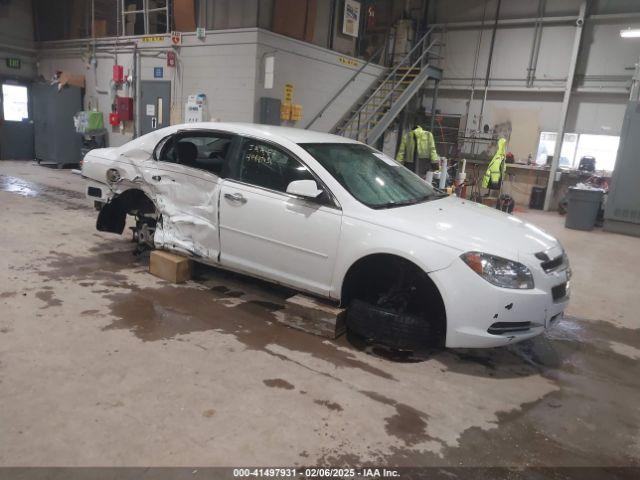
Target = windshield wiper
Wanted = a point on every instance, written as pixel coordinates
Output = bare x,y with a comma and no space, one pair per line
404,203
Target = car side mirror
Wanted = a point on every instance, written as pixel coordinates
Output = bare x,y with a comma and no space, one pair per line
304,188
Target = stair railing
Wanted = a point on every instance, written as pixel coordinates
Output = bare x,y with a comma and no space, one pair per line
389,95
390,77
377,53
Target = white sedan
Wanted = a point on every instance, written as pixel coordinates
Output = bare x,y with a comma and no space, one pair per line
335,218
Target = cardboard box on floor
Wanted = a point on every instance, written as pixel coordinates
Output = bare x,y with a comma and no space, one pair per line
169,266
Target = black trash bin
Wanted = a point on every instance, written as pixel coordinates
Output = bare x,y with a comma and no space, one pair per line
584,205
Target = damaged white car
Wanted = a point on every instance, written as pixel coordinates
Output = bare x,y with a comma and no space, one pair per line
335,218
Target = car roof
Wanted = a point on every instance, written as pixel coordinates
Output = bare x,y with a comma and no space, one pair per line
296,135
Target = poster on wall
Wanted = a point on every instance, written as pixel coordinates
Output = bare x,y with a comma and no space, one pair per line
351,19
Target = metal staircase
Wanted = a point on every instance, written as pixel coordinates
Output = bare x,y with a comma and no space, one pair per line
372,115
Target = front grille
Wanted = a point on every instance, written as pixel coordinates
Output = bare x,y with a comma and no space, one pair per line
500,328
552,264
559,292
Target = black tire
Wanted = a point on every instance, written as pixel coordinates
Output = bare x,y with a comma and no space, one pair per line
392,329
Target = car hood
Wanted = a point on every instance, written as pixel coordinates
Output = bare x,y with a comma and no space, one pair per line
469,226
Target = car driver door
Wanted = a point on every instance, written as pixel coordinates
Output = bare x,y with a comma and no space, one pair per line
186,184
269,233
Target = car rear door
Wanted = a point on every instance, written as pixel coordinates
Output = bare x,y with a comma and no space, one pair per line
186,184
271,234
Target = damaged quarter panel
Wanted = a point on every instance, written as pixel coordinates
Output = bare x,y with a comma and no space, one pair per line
133,168
187,199
132,161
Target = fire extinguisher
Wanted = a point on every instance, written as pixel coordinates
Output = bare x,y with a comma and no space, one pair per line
114,118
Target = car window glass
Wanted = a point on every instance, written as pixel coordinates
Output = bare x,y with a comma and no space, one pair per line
370,176
158,150
265,166
202,151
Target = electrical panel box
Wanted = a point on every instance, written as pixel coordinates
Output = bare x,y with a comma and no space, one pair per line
270,111
124,108
118,73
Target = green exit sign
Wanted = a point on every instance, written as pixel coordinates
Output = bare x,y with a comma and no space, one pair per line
13,63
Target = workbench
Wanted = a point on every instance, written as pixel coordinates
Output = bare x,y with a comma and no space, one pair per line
520,178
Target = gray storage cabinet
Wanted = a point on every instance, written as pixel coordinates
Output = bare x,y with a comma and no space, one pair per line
55,137
622,211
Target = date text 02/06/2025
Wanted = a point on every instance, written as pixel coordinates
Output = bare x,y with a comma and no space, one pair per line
368,473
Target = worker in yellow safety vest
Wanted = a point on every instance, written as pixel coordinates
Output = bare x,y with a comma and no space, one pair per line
418,144
497,166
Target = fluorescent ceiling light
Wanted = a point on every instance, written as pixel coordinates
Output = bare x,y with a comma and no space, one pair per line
630,33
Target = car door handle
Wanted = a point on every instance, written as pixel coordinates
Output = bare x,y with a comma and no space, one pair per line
157,178
235,197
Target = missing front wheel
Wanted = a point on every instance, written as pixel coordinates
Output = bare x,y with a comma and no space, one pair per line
143,233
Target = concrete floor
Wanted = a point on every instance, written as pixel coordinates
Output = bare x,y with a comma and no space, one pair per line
103,364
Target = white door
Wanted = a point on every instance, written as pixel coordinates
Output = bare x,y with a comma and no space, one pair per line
186,185
269,233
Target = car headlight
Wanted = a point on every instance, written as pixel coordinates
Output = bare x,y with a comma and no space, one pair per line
499,271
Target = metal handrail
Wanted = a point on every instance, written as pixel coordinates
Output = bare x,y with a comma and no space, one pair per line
395,84
393,72
344,87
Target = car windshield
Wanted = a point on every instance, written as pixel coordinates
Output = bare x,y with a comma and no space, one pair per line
371,177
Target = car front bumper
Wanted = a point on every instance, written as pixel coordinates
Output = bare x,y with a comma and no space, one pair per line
481,315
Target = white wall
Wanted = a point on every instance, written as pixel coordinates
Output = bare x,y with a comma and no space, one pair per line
316,74
227,66
222,67
224,70
602,73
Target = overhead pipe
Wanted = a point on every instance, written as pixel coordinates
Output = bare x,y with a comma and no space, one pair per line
136,92
535,47
534,65
475,70
489,61
565,19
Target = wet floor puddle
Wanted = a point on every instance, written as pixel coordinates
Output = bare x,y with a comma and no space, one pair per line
573,355
171,311
70,199
596,383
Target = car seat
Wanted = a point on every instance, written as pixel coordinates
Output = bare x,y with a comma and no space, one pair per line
187,153
216,160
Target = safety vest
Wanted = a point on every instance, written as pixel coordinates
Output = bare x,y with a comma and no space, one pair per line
497,166
423,139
